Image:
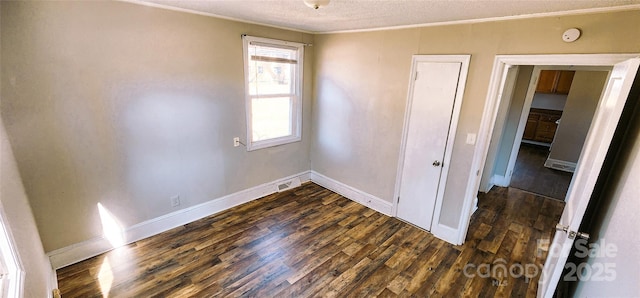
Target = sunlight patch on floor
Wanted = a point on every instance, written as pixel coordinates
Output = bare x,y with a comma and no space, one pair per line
105,277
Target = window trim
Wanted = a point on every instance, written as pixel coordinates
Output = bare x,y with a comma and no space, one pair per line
296,116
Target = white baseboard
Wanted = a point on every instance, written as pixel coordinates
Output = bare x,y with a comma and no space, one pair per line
77,252
536,143
445,233
81,251
499,180
475,205
561,165
352,193
487,188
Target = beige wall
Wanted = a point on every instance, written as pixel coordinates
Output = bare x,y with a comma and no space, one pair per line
508,135
17,217
362,78
39,276
506,126
126,105
581,104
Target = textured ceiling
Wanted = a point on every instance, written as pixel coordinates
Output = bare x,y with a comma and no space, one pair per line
345,15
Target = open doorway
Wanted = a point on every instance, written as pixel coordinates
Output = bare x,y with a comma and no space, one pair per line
591,159
541,128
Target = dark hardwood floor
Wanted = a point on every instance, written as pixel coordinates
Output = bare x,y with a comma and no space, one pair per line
530,174
312,242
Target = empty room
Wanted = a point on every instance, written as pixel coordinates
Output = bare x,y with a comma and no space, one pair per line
319,148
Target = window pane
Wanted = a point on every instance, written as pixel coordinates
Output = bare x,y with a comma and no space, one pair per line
271,70
271,118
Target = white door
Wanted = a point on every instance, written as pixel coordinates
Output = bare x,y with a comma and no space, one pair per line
592,157
428,134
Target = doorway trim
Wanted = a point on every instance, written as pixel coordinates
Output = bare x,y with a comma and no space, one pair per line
524,114
436,229
528,102
12,281
500,67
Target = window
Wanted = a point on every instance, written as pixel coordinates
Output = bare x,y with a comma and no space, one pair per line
273,87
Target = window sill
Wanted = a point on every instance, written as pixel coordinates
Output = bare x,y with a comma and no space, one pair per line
252,146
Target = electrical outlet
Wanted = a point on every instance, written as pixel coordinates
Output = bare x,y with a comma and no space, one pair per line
236,142
175,201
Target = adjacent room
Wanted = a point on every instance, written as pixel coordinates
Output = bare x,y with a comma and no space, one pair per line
316,148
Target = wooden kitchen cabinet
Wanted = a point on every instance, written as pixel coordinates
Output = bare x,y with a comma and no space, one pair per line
555,81
541,125
565,78
547,81
530,128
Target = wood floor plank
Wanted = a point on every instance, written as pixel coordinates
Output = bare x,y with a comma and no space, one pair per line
311,242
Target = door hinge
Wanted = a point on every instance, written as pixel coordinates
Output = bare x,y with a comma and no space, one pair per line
398,200
572,234
415,77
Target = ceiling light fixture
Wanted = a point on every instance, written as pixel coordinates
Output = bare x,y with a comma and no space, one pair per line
315,4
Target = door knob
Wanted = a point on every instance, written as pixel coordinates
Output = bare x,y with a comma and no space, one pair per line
436,163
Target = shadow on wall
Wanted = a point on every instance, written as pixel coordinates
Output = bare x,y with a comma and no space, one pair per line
172,147
333,136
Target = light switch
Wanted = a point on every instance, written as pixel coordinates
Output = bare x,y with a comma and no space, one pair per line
471,138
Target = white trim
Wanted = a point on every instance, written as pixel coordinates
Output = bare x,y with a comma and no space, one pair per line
511,76
352,193
499,180
53,283
455,115
500,65
493,19
524,116
561,165
536,142
11,260
569,60
475,205
487,186
445,233
77,252
208,14
81,251
435,24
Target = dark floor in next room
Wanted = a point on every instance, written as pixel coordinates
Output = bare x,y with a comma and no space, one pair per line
530,174
312,242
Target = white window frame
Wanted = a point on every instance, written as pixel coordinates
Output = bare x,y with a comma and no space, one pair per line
296,115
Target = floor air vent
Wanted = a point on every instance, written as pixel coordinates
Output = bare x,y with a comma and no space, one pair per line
289,184
560,165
